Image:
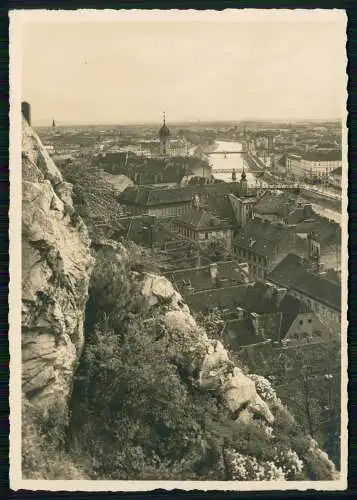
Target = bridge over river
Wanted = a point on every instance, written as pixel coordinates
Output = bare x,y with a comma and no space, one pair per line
230,170
225,153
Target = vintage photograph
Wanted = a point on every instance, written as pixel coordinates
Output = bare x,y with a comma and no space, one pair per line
179,249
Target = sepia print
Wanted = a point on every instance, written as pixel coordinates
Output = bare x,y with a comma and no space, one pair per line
180,224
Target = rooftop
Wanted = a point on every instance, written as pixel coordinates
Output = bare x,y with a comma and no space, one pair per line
263,238
222,298
279,203
199,278
221,206
146,196
299,214
291,273
337,171
240,332
201,220
324,231
328,155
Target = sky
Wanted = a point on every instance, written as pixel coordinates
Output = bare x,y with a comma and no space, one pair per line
130,72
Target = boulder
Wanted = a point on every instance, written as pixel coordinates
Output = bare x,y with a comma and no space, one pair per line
216,371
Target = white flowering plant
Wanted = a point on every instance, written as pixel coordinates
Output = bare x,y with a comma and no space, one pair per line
264,389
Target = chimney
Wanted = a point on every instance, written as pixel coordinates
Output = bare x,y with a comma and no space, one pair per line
257,324
240,313
308,210
196,201
244,267
213,270
279,294
198,259
26,111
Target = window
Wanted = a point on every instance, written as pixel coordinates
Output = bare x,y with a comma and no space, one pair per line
206,236
309,320
301,322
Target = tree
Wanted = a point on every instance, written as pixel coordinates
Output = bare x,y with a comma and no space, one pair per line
217,249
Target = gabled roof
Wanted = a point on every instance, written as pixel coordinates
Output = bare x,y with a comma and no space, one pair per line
262,238
276,203
291,307
201,220
221,206
146,196
300,214
324,231
291,273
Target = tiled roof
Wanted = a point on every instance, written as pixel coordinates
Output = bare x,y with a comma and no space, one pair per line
291,273
325,231
262,238
201,220
220,188
287,271
300,214
275,203
291,307
228,273
221,206
323,156
146,196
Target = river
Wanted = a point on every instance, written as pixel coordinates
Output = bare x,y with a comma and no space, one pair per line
227,161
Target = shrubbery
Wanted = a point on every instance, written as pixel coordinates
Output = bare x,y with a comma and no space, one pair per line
43,444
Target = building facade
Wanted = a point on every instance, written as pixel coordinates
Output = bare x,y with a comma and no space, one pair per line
320,295
200,226
263,245
314,164
157,201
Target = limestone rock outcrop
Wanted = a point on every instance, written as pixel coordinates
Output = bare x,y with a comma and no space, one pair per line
56,266
216,371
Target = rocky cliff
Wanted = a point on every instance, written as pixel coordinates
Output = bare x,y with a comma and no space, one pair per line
56,266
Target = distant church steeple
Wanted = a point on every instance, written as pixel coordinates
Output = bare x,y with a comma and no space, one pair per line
53,123
164,134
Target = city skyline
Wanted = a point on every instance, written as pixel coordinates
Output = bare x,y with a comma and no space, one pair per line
130,72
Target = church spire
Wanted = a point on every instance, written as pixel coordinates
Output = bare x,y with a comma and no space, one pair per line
164,118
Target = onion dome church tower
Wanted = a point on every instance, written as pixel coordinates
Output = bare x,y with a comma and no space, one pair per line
243,181
164,135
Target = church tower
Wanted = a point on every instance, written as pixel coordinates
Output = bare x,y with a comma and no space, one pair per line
243,182
164,135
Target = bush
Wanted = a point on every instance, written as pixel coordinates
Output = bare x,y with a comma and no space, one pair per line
43,438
